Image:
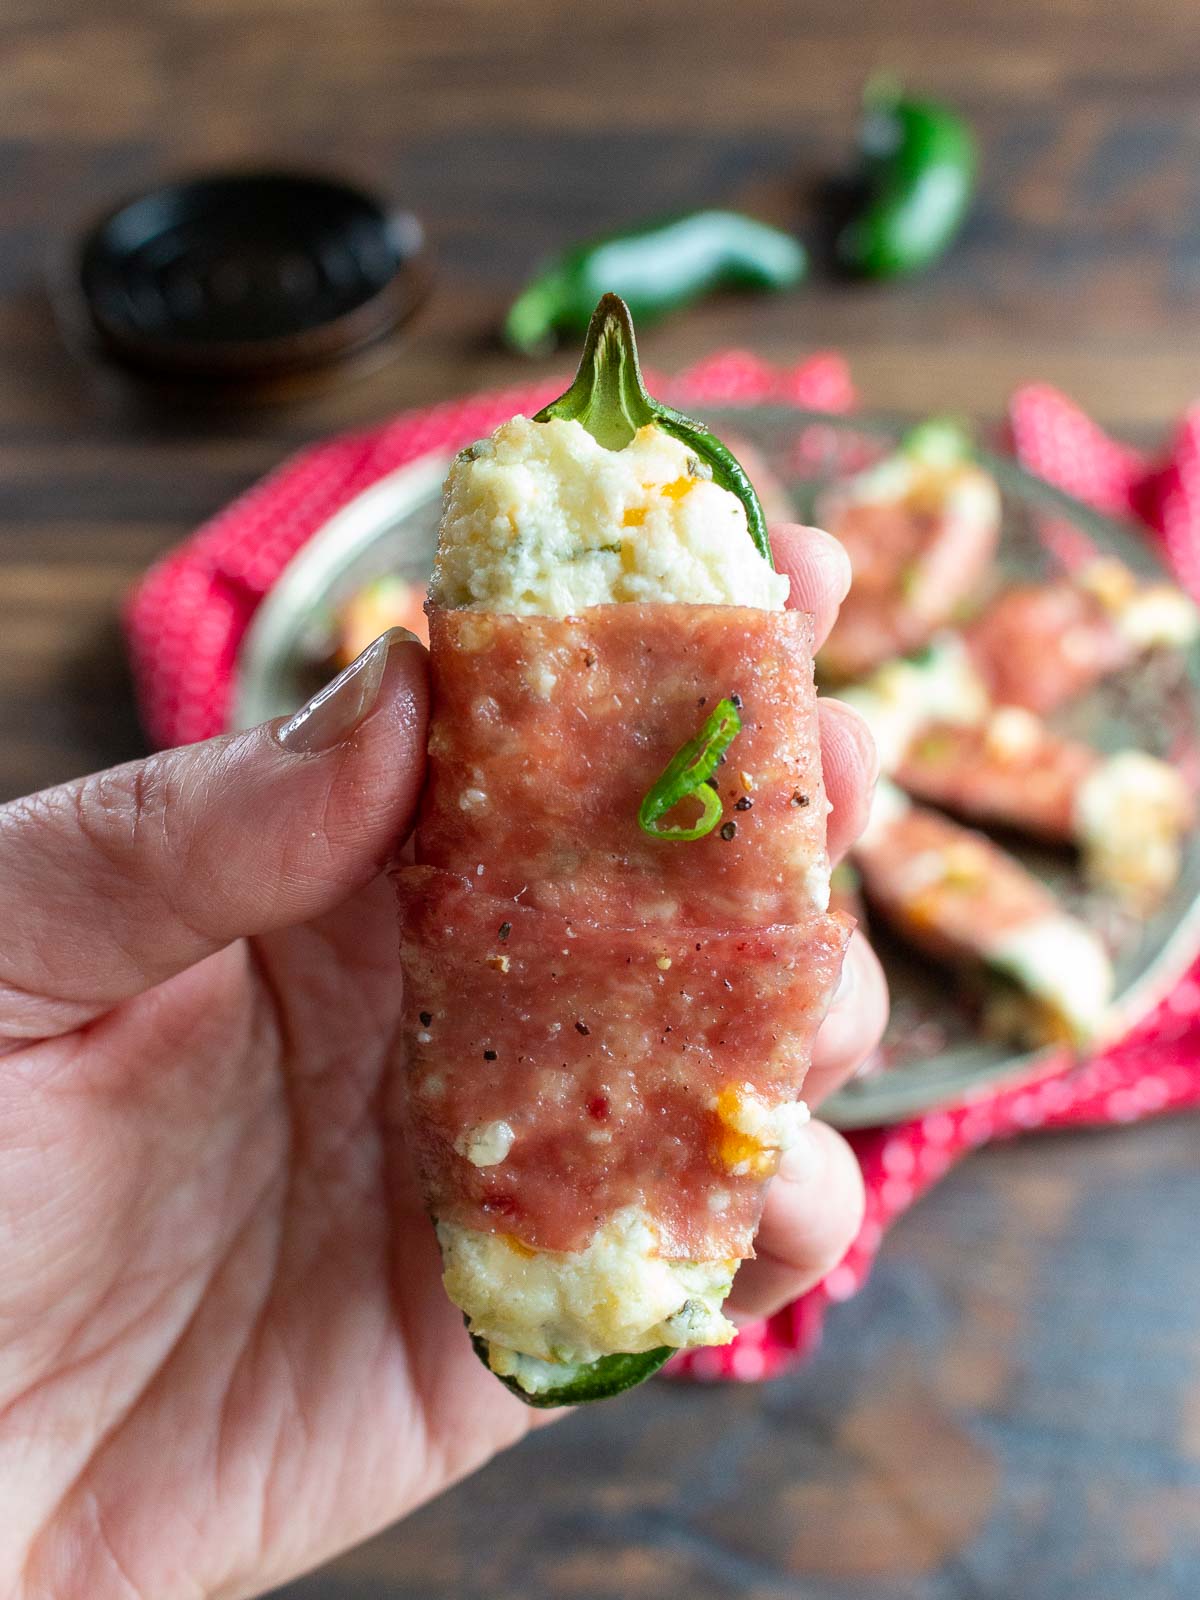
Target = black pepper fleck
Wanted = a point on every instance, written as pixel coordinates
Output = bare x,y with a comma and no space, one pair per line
489,1055
703,700
713,784
735,700
582,1027
721,760
728,831
744,803
426,1018
505,930
799,799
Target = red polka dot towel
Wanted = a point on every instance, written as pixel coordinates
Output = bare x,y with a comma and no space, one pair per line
187,618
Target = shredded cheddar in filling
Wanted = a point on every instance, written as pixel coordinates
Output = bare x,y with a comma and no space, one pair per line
677,489
750,1134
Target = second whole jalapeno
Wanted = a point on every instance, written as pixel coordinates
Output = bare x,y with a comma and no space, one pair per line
919,162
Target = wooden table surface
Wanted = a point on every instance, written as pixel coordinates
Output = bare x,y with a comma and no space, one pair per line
1012,1407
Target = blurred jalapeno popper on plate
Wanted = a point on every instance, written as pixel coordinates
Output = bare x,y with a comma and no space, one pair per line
616,945
921,528
954,893
939,735
1126,811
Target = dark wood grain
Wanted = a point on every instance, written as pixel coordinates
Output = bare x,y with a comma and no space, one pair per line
1012,1408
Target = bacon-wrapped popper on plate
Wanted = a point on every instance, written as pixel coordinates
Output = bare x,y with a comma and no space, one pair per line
1126,812
956,894
1041,645
615,944
921,529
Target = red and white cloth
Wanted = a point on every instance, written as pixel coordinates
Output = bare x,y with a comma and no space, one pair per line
187,618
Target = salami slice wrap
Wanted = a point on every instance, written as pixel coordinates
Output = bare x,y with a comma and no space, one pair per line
1011,770
605,1050
954,893
548,732
612,999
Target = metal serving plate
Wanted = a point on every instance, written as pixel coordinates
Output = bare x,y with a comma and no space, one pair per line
933,1053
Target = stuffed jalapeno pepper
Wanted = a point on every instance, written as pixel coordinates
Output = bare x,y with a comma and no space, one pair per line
954,893
1041,645
616,945
921,528
939,736
1126,811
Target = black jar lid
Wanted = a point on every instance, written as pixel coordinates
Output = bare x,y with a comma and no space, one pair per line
249,277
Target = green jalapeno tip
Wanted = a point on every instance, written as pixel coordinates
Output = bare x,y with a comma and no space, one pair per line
598,1380
608,397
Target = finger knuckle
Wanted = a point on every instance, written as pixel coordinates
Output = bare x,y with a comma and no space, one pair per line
125,811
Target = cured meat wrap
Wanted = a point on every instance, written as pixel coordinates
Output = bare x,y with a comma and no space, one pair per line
615,1063
1041,645
938,734
547,732
616,946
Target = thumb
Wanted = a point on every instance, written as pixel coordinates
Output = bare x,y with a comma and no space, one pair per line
115,882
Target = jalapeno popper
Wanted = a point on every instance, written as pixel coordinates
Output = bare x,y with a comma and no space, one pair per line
940,738
616,948
952,892
1126,812
901,698
921,529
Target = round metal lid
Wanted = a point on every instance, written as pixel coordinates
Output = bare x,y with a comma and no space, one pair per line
240,277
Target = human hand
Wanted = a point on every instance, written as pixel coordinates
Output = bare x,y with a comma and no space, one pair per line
225,1351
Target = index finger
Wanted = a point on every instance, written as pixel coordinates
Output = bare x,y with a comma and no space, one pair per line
819,569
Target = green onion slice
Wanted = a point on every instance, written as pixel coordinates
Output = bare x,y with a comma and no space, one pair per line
687,773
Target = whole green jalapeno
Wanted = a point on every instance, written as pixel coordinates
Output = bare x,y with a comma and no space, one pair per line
655,268
919,161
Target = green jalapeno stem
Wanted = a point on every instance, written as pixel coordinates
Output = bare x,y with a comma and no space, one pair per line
609,398
656,268
919,165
